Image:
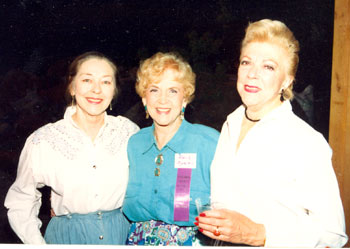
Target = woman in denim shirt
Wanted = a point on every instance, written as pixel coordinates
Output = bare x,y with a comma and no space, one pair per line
170,160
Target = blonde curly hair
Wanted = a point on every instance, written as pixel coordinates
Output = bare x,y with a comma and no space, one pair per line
151,71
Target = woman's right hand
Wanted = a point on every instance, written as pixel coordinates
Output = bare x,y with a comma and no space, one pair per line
231,226
52,213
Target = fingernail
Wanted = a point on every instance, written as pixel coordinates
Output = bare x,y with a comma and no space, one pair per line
196,223
200,229
197,219
202,214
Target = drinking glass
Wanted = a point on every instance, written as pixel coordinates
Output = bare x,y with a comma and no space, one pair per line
208,206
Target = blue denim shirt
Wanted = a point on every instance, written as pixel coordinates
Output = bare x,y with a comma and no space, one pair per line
150,197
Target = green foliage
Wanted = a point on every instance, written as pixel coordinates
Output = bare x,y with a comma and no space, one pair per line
206,42
202,48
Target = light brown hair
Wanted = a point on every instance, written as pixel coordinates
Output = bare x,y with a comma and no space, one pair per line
75,66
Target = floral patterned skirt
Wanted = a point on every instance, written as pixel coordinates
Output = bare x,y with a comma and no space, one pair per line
162,234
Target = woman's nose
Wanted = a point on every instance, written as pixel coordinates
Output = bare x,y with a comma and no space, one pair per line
253,72
96,87
163,97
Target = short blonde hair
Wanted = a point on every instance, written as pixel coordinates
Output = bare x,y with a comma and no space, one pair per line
151,70
276,32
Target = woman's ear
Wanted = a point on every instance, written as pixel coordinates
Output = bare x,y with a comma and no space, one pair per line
72,89
287,82
184,103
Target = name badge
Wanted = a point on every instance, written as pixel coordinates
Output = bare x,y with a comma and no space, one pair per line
185,160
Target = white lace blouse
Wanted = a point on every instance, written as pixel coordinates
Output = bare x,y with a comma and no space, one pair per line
85,176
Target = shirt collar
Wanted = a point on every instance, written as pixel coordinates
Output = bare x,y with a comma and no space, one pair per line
283,109
70,110
175,143
286,107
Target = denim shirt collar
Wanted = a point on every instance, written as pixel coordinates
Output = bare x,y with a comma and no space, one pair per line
175,142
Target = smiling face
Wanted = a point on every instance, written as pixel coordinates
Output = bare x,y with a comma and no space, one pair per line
93,87
262,76
165,101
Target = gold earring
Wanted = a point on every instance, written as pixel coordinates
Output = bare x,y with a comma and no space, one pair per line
110,106
73,100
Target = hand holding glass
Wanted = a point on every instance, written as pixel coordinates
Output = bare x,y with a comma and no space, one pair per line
208,206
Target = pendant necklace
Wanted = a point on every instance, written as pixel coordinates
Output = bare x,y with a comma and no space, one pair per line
159,161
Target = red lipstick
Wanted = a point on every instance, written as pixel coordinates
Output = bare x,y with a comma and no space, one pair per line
251,89
94,100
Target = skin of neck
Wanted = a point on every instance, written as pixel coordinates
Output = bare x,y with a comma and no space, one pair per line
259,113
164,134
89,124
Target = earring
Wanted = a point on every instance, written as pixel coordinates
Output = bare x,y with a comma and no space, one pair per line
147,115
182,113
110,106
73,100
282,96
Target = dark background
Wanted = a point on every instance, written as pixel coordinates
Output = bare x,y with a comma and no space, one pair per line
38,39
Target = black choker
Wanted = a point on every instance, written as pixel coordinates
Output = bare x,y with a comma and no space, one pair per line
251,120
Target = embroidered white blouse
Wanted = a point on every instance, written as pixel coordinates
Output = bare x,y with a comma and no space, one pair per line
85,176
282,177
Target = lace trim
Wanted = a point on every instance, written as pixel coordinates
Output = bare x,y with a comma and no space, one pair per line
62,137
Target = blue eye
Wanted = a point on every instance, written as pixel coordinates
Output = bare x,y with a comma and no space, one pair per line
173,91
86,80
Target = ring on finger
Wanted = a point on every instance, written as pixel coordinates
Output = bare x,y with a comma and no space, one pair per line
216,231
